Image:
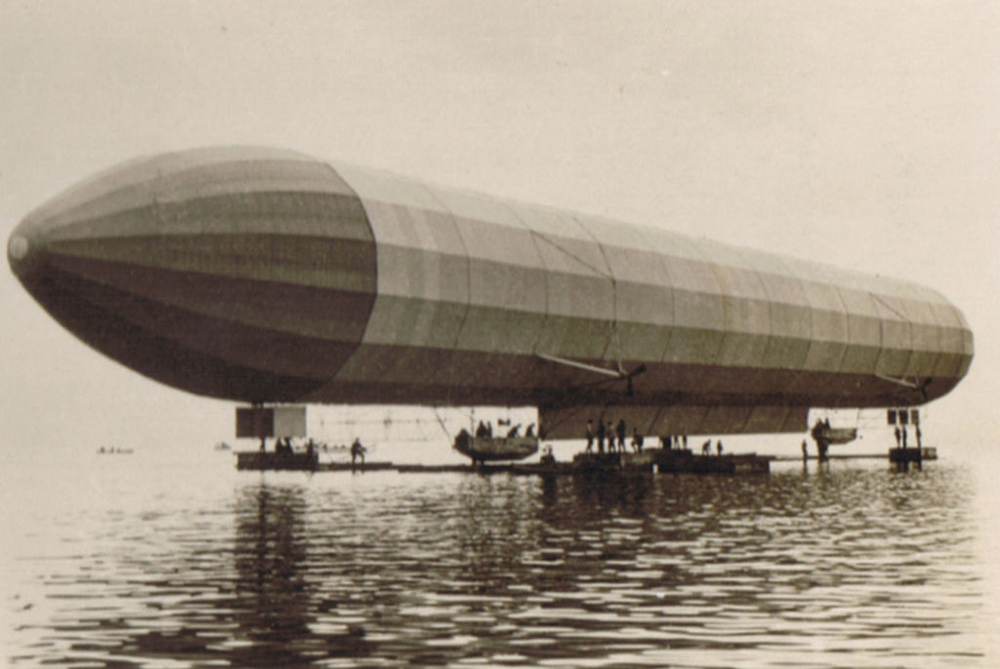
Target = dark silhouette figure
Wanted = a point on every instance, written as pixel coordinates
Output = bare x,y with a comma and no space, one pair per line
637,440
357,453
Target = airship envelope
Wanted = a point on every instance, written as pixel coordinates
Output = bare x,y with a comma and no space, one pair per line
268,276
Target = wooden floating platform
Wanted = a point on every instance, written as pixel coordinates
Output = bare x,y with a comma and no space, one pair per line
653,461
656,460
663,461
375,466
270,461
917,455
846,456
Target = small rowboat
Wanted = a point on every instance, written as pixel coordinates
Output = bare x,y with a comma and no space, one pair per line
834,435
483,449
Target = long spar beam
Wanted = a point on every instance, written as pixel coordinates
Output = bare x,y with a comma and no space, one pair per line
615,374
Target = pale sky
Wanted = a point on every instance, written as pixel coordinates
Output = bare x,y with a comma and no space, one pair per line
861,134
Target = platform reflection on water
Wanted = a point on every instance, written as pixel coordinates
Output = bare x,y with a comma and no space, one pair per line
822,567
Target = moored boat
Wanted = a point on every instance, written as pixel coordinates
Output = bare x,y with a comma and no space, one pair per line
491,449
834,435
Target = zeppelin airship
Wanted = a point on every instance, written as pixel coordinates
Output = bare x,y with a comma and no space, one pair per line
268,276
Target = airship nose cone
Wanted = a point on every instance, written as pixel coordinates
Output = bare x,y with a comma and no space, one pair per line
22,248
17,247
233,272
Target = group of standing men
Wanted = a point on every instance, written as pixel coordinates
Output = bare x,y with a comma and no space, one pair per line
615,435
485,431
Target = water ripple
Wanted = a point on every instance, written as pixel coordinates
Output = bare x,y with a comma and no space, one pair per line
851,567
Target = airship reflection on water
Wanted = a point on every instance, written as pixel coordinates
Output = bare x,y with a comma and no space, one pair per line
267,276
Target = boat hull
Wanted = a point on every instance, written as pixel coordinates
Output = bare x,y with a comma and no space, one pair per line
493,449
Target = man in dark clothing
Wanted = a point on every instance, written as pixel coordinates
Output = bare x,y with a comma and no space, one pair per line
357,451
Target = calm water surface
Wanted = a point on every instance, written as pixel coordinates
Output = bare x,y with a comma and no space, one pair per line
124,562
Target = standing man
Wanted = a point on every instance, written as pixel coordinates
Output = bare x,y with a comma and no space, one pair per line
357,451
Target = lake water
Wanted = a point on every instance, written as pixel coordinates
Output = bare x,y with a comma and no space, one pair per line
141,561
